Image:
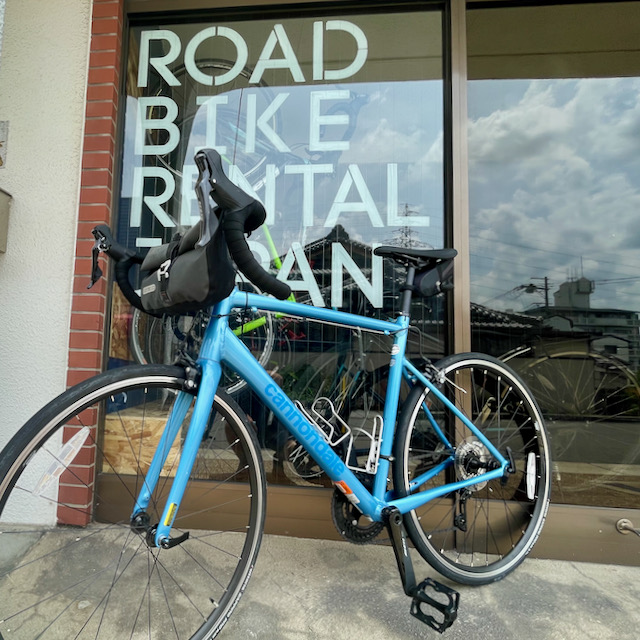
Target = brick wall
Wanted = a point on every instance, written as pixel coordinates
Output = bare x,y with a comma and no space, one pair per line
88,319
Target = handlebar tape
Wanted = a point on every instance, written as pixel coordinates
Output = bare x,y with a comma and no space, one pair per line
241,214
124,259
122,268
229,196
233,223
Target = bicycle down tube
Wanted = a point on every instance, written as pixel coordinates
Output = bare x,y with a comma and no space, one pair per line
221,345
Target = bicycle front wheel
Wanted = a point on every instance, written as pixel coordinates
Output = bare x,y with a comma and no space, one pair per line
74,565
477,534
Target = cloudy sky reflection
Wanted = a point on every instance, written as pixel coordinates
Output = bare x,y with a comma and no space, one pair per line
555,188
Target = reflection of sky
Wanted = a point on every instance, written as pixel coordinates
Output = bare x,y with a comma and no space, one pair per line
390,123
555,188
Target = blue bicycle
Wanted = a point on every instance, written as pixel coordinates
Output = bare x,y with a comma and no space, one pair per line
133,505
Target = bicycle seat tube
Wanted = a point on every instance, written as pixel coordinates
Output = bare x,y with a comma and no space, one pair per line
396,366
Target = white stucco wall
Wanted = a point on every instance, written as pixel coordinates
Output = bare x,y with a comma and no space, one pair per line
43,72
2,4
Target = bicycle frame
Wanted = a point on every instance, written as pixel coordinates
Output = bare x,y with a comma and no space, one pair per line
221,345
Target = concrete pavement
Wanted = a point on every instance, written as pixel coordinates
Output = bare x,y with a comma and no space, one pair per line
325,590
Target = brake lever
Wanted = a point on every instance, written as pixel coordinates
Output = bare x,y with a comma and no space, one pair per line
98,246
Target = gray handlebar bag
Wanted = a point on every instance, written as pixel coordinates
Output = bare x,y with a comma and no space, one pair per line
188,274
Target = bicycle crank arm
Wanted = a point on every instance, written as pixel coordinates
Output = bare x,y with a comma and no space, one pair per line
447,611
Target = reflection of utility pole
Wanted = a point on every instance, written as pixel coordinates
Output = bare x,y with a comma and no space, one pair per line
531,287
545,288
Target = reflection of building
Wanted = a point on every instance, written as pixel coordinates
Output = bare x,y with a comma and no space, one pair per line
614,332
501,332
427,317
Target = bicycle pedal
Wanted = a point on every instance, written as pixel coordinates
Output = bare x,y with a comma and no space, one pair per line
448,611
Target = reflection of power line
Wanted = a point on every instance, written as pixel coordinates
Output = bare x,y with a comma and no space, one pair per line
405,235
529,288
558,271
633,267
616,280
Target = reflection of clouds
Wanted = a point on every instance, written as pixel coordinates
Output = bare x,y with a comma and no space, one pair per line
555,188
388,142
519,132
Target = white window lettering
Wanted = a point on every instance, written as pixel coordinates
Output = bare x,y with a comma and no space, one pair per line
308,283
165,123
316,121
340,259
189,209
353,177
238,178
211,105
362,50
159,63
394,219
242,55
277,36
270,193
154,203
261,122
308,172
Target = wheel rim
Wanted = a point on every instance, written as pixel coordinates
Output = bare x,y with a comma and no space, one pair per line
503,517
96,576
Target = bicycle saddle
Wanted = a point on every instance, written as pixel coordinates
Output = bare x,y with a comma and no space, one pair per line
419,258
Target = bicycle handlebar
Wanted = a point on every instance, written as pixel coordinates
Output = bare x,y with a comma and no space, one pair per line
124,260
241,214
233,224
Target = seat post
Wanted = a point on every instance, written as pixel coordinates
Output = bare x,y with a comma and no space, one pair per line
407,290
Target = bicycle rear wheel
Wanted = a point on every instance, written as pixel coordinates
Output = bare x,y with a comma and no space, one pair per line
72,564
478,534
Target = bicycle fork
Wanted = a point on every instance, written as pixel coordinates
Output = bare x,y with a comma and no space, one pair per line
159,534
429,593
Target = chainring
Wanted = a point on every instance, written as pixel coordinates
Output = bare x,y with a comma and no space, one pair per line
351,524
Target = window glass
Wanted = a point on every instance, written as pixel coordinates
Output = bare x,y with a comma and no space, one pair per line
336,125
554,144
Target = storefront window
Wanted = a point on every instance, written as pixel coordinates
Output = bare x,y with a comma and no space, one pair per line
336,124
554,143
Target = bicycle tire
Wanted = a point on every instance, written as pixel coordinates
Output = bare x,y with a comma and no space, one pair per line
502,518
87,572
148,343
587,396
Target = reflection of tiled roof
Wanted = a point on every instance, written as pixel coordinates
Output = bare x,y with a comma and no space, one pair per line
482,316
591,311
337,234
